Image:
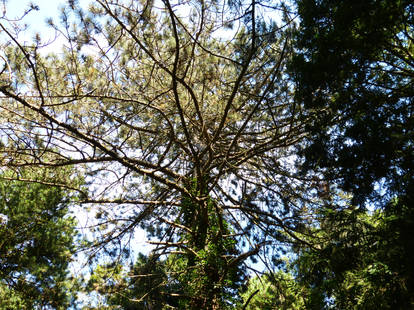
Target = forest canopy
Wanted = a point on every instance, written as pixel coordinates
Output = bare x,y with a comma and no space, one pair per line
264,149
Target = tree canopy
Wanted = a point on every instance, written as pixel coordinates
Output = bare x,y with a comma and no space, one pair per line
355,69
179,131
234,133
37,241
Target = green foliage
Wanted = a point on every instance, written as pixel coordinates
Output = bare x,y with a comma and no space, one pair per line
273,292
145,286
37,240
9,299
360,261
201,274
163,114
211,280
191,137
354,71
354,75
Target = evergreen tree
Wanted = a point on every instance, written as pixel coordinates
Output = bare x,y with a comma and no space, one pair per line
354,77
354,74
37,241
360,260
273,291
181,116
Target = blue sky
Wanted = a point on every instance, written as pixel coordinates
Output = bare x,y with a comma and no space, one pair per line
37,19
